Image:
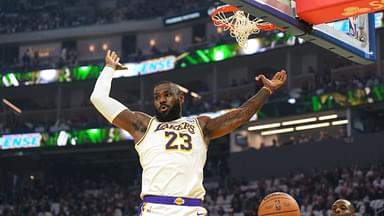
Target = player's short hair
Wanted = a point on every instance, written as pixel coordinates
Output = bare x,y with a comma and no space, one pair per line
164,82
170,83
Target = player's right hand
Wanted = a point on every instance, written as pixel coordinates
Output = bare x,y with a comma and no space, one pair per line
112,60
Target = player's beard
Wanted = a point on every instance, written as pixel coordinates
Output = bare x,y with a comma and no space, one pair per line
173,114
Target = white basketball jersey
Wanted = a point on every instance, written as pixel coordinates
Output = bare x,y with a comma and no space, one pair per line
172,155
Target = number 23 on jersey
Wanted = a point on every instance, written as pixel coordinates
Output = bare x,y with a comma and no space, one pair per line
178,141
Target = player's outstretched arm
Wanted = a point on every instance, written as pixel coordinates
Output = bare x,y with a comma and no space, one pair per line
224,124
116,113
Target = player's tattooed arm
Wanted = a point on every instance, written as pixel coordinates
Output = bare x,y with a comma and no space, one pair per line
139,126
224,124
115,112
135,123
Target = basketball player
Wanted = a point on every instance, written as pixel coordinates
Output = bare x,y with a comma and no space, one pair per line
342,207
172,149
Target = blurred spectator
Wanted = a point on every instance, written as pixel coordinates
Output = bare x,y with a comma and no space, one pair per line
329,85
26,16
27,58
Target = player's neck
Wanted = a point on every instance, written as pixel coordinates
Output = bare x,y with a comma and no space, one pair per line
169,119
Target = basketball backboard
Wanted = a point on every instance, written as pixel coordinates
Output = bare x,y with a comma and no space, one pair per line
352,38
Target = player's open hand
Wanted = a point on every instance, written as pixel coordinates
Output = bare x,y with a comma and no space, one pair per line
276,82
112,60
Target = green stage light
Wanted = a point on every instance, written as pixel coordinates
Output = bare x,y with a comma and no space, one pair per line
316,105
378,92
191,60
86,72
94,135
219,55
203,56
222,52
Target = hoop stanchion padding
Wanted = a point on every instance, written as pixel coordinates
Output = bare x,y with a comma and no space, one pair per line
324,11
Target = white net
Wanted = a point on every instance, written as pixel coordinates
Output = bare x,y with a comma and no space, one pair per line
239,25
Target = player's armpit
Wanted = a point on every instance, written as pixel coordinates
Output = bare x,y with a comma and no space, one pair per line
135,123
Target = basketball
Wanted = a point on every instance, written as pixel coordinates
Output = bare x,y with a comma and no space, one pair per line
279,204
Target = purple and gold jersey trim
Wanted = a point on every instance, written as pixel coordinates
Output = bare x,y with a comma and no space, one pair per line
146,131
169,200
201,131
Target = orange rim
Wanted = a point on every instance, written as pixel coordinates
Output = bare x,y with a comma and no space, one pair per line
223,9
233,9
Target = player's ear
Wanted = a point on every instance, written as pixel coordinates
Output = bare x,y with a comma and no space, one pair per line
181,96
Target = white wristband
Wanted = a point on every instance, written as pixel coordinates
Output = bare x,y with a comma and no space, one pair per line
106,105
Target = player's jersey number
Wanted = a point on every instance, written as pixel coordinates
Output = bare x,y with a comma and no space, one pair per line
178,141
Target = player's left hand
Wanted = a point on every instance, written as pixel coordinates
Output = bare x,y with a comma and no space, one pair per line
276,82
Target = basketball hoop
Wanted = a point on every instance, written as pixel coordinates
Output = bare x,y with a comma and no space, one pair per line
239,23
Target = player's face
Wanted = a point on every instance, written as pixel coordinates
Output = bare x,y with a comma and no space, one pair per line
342,208
167,101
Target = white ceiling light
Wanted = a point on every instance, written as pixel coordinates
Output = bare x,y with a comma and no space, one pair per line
299,121
195,95
183,89
312,126
265,126
278,131
340,122
326,117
